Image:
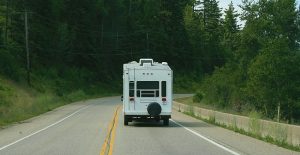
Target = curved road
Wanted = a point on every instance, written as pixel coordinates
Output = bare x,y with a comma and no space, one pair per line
95,127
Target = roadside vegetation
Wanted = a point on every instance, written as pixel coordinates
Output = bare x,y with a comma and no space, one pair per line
76,50
21,102
260,71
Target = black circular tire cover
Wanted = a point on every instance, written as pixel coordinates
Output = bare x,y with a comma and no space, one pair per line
154,109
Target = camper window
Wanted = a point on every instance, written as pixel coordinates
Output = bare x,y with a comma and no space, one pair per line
147,85
147,89
131,89
163,88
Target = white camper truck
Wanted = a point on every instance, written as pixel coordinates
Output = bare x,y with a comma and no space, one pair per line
147,91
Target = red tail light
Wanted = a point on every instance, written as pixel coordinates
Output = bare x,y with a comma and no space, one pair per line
131,98
164,99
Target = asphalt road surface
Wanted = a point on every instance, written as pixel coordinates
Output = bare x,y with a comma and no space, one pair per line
95,127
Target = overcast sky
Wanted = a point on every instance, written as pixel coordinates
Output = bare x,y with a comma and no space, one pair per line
224,5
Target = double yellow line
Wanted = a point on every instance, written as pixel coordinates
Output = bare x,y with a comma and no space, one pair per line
107,147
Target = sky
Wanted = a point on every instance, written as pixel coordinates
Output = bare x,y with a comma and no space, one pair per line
224,5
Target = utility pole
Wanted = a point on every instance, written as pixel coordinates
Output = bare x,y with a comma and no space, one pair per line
117,44
6,24
129,7
147,44
131,53
27,48
102,28
278,112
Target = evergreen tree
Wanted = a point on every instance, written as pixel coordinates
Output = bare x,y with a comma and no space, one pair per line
213,54
231,29
88,41
2,24
194,27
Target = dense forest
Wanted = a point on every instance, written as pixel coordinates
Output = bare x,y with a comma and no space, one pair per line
62,45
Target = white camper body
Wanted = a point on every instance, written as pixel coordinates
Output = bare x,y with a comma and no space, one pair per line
147,91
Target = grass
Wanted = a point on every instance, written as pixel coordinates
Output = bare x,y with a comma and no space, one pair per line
184,85
254,126
18,103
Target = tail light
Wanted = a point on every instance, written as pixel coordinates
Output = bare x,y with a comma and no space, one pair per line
131,98
164,99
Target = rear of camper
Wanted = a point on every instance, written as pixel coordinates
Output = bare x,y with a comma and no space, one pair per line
147,91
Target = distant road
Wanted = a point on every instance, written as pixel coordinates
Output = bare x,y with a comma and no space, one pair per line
95,127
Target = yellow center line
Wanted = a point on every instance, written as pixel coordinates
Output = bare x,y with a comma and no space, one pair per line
113,135
107,147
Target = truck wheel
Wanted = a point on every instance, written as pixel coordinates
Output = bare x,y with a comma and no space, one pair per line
125,121
166,121
154,109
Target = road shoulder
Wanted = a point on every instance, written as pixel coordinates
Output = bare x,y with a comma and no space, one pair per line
230,139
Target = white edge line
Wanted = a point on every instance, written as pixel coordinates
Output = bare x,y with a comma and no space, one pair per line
41,130
207,139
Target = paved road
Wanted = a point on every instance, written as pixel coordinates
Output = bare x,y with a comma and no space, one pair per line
83,127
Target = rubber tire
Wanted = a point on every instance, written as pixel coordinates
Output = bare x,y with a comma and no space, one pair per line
125,121
154,109
166,122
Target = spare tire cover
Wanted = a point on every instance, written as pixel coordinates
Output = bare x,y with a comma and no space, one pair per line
154,109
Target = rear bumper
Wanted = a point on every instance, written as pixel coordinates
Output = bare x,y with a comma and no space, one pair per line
145,114
145,117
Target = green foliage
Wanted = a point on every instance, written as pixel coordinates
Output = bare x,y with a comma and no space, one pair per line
185,83
222,88
198,96
231,36
79,47
274,79
5,93
262,67
204,29
254,123
212,119
76,96
191,110
18,103
185,100
7,65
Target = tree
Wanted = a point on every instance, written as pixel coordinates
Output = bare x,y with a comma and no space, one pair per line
269,41
2,24
231,29
274,80
212,32
194,27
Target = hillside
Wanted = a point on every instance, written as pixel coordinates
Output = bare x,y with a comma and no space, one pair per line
19,102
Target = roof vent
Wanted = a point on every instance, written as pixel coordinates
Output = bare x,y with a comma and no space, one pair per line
146,61
133,62
164,63
147,64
